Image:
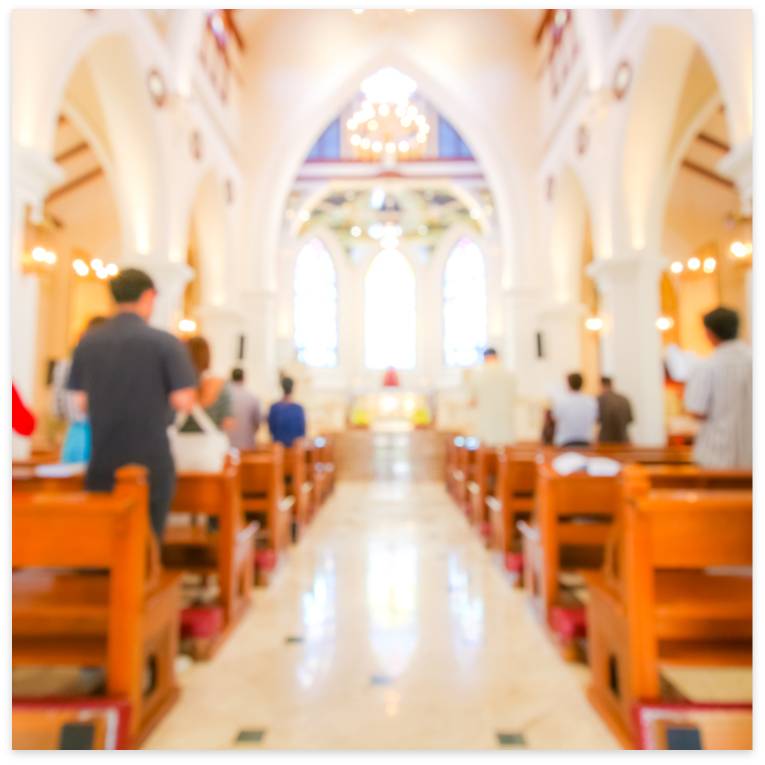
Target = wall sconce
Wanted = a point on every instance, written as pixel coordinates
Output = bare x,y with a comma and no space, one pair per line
187,326
677,267
664,323
741,250
96,267
694,264
710,264
593,324
43,257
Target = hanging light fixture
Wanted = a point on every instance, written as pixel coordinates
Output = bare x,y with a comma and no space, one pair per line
593,323
664,323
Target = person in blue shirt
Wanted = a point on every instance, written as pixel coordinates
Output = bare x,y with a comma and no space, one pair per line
286,418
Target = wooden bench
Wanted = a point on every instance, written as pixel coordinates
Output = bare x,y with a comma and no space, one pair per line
264,501
297,486
450,464
226,549
482,485
122,615
464,472
324,469
658,601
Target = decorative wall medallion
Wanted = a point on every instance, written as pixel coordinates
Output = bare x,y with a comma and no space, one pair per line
582,139
156,84
229,191
550,190
622,79
196,145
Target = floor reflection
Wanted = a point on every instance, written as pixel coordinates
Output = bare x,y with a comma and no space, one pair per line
466,606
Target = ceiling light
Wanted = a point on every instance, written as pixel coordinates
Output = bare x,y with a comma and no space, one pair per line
403,146
355,139
80,267
694,264
356,231
373,125
709,265
663,323
112,269
677,267
740,249
187,326
377,147
351,124
365,144
593,323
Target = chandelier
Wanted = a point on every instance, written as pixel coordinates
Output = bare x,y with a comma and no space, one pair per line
387,124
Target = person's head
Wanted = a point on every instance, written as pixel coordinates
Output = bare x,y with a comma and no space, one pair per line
237,375
606,383
575,381
287,384
490,355
721,325
199,351
134,291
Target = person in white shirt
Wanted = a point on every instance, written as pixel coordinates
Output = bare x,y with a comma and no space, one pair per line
575,414
492,389
719,394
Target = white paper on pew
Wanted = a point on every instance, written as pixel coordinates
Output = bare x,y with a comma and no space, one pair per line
61,469
603,466
568,463
680,363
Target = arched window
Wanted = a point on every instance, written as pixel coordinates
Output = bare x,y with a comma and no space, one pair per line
316,306
464,304
390,313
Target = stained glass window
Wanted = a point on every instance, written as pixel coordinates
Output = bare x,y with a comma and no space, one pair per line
316,306
465,318
390,312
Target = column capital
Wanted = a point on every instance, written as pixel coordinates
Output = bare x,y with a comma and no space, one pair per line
565,311
34,173
737,165
219,313
626,269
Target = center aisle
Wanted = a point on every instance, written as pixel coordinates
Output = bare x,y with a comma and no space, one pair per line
389,627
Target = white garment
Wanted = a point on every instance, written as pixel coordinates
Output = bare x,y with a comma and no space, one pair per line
575,416
720,388
493,388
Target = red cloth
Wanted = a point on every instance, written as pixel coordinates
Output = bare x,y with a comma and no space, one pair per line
22,420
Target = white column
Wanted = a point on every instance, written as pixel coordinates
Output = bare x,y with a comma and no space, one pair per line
631,345
170,280
221,328
33,174
737,165
259,309
561,324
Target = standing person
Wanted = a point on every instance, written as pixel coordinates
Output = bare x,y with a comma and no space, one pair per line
719,394
286,418
614,414
493,395
574,414
245,409
128,377
213,393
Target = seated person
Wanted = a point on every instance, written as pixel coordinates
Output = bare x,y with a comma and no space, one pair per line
286,418
575,414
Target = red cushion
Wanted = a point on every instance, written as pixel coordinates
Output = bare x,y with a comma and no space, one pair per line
265,560
569,622
514,562
201,621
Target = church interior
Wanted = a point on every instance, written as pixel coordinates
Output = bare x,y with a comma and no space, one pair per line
362,202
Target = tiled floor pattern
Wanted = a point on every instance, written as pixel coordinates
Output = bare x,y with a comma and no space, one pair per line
389,627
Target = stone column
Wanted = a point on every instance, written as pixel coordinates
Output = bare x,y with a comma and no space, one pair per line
560,325
221,327
171,280
737,165
33,174
259,315
631,345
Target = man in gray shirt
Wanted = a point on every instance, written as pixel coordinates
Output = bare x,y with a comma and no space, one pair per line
245,409
719,394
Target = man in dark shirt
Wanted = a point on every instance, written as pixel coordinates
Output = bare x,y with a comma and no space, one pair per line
614,414
129,377
286,418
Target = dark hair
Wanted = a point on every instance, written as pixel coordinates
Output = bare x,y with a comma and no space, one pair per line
575,381
287,384
489,352
96,321
237,374
130,284
199,351
722,323
607,381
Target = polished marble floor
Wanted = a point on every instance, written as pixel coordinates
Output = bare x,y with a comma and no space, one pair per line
389,627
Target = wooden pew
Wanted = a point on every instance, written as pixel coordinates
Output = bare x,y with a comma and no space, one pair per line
657,603
310,454
450,454
465,472
264,500
325,466
122,615
297,486
454,456
482,485
226,549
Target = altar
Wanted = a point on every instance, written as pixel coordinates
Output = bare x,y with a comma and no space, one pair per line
391,410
